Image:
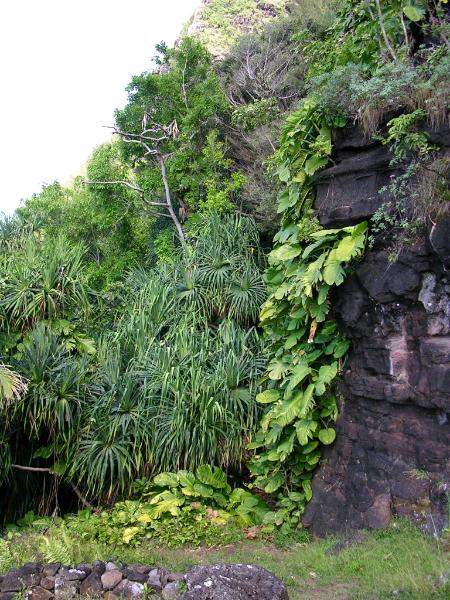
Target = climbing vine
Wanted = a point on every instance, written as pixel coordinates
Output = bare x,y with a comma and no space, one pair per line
306,348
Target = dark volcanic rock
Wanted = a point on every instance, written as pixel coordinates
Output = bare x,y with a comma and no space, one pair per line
92,585
391,456
20,579
233,582
51,569
39,593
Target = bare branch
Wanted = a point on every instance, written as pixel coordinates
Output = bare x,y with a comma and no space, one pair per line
132,186
82,499
162,165
32,469
151,145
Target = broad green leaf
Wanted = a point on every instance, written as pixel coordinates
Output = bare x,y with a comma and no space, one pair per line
315,163
326,374
300,176
59,468
319,311
212,477
268,396
286,233
310,447
278,368
166,480
350,246
313,274
325,232
341,348
414,13
284,253
299,406
333,273
291,341
285,448
186,479
130,533
268,310
313,459
323,293
274,483
305,429
299,372
283,173
307,251
203,490
327,436
284,201
308,490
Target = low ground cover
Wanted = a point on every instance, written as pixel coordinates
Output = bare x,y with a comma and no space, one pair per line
395,563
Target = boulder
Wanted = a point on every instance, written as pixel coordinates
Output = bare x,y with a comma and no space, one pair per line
233,582
110,579
39,593
129,589
65,589
92,585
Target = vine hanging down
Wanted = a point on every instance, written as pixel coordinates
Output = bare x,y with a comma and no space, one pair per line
306,348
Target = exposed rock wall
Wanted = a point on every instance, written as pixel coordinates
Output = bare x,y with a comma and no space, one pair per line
392,454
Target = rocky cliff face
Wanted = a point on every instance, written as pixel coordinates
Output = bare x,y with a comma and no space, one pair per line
392,454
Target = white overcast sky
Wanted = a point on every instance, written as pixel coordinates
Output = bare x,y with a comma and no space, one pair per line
64,66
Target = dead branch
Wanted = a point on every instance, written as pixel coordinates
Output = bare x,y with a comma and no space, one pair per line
31,469
153,134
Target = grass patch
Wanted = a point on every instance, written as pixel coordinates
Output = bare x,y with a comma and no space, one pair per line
395,563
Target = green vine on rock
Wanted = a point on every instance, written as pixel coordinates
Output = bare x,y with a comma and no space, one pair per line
305,346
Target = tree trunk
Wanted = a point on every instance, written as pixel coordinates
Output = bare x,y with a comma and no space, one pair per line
173,216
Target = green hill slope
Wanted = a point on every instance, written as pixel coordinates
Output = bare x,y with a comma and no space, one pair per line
218,23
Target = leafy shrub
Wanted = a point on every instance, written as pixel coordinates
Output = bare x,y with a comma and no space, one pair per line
175,509
351,91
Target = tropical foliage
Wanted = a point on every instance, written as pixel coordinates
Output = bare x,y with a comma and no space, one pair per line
144,355
171,385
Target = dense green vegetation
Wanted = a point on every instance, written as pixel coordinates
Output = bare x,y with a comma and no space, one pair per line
155,351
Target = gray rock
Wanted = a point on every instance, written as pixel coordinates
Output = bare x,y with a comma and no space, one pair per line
66,588
133,575
154,580
233,582
51,569
86,567
129,589
72,574
48,583
175,577
140,569
92,585
7,595
39,593
98,566
110,579
110,566
171,591
19,579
